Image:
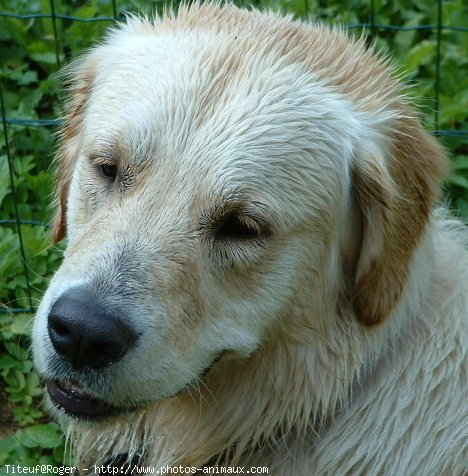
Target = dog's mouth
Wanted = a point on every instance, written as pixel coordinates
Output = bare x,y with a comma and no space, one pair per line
74,401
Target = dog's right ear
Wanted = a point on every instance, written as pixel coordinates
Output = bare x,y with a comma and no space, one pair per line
78,78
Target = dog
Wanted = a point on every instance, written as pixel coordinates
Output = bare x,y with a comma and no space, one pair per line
257,274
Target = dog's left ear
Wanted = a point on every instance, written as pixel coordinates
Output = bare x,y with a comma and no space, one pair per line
395,193
78,77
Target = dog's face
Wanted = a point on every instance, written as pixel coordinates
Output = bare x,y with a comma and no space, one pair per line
207,194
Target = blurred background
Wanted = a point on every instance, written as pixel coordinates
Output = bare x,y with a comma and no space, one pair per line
427,39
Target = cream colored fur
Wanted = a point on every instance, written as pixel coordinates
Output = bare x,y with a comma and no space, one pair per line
345,324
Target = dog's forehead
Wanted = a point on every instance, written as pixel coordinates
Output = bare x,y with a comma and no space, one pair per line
174,87
216,114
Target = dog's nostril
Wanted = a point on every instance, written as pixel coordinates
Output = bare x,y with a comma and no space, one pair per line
58,328
85,332
113,350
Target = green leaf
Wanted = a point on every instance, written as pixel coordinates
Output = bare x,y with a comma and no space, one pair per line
460,162
7,362
47,58
42,436
22,324
5,185
421,54
24,78
458,180
16,350
8,446
33,385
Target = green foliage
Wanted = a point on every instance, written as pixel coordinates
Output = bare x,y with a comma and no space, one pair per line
37,442
22,383
32,50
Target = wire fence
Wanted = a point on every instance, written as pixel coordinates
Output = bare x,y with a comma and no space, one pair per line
372,26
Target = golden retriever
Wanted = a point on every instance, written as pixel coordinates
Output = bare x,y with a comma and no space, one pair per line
255,276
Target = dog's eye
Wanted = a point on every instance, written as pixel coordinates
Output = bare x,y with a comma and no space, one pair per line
240,228
109,171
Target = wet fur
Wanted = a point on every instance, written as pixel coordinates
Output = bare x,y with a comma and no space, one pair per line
356,359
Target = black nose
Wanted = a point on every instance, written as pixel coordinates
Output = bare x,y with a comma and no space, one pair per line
87,333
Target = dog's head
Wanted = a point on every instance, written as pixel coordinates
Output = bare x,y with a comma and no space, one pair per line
220,174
